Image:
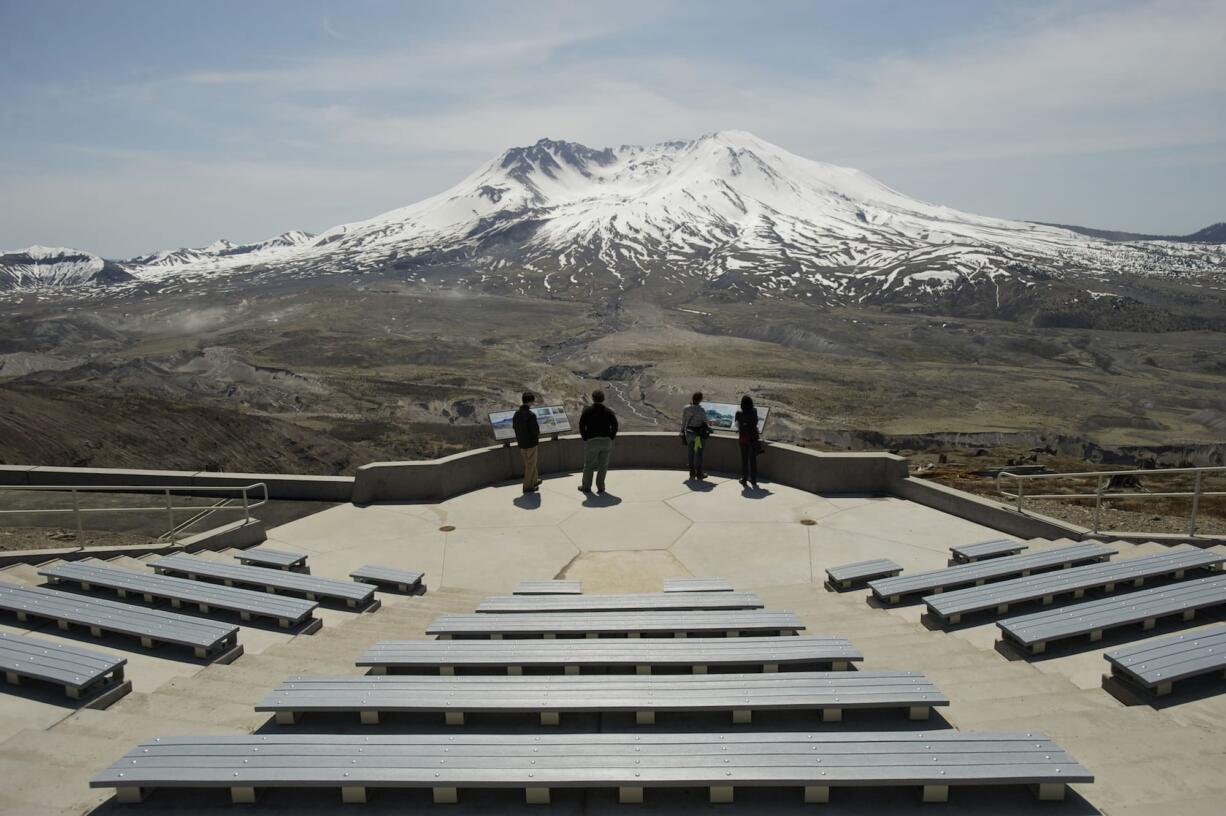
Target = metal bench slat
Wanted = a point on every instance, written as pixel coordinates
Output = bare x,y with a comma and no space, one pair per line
989,570
845,574
261,604
594,760
530,623
112,616
697,585
376,574
1108,613
56,662
630,602
262,576
1179,657
551,586
265,556
992,548
1091,576
607,652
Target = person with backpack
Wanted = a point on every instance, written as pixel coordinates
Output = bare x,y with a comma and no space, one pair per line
694,433
528,437
750,441
598,427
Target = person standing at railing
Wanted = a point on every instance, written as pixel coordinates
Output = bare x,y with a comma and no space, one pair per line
598,427
694,433
528,437
749,440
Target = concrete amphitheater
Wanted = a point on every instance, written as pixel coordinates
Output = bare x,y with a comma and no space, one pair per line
465,524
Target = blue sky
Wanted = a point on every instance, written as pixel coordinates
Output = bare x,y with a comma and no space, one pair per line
127,127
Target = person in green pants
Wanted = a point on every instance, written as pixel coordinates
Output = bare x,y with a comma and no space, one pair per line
598,427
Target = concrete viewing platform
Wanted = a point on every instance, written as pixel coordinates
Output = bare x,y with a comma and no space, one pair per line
1163,756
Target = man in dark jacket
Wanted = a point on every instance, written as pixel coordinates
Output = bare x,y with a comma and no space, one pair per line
528,437
598,427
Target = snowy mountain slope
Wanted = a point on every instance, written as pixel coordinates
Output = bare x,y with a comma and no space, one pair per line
727,216
224,254
42,267
727,212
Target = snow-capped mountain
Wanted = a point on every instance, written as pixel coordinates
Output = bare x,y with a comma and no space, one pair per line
726,216
53,267
223,253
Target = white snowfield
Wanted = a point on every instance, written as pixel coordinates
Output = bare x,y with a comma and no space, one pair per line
47,266
560,216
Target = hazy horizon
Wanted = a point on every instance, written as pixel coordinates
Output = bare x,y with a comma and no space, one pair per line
131,127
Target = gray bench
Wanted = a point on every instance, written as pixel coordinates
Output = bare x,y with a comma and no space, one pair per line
82,672
983,550
815,762
277,559
353,594
634,602
89,574
1156,664
770,653
831,693
152,626
630,624
844,576
552,586
891,590
1036,630
696,585
949,607
403,580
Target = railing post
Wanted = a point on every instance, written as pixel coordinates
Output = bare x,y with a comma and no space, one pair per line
1020,490
1098,504
76,512
1195,505
170,515
246,511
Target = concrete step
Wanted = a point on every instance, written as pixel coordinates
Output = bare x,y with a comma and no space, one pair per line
129,563
176,708
214,689
55,747
23,574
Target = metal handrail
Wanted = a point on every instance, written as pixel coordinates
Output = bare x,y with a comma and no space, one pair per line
1103,477
170,508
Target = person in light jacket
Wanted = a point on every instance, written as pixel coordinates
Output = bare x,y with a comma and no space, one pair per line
528,437
598,427
694,433
747,435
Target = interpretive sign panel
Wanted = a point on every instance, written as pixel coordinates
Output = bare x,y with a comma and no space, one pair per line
551,418
721,416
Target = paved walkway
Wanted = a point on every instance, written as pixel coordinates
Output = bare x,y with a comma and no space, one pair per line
652,526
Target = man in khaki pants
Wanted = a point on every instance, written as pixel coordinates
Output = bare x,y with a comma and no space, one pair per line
598,427
528,437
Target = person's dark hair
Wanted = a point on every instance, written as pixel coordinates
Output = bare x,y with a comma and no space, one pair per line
747,403
696,397
598,396
529,397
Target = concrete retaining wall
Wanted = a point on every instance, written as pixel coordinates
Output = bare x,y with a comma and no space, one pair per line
987,512
440,479
280,485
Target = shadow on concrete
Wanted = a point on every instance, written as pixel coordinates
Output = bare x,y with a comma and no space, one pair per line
1184,691
605,499
700,485
527,501
755,492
